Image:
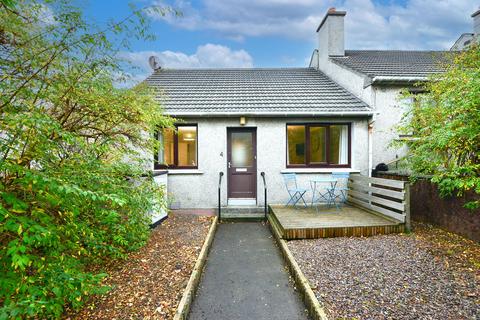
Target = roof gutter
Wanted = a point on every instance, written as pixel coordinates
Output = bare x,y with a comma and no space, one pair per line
274,114
397,80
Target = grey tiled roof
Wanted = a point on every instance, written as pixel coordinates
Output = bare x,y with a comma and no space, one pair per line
394,63
251,91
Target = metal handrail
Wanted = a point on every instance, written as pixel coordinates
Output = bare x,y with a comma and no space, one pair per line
265,190
220,175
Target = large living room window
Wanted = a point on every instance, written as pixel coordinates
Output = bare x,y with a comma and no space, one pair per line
178,148
318,145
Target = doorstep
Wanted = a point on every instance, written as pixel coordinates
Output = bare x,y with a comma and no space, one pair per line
242,201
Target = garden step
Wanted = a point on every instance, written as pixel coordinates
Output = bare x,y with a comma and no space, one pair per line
242,212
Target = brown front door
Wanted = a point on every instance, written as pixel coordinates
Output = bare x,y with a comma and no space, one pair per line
242,162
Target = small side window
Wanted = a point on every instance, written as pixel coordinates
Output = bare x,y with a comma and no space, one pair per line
178,148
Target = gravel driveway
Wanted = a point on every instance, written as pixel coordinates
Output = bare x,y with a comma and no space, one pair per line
418,276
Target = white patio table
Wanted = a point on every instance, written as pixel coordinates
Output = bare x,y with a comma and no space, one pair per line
327,196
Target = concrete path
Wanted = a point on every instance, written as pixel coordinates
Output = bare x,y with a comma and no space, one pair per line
245,278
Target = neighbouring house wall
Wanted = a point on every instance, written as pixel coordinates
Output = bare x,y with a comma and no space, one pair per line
385,102
198,188
353,81
390,111
426,205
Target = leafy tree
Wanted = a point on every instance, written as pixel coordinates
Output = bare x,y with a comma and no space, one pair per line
445,122
68,196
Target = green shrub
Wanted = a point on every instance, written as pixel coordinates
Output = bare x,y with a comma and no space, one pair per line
68,197
445,121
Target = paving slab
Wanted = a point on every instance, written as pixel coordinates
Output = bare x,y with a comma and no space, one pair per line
245,278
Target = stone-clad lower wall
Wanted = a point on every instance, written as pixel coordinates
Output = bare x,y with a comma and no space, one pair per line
426,205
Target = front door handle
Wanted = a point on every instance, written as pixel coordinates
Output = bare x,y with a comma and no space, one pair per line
229,165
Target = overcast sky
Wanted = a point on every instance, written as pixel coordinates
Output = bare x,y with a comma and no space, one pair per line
281,33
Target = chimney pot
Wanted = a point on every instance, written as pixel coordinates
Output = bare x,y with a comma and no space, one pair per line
332,10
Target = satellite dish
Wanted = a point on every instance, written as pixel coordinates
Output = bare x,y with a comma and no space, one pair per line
154,62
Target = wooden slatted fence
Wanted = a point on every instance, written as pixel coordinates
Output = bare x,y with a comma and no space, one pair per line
387,197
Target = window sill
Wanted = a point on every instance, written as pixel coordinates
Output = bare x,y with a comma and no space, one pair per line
159,172
184,171
319,170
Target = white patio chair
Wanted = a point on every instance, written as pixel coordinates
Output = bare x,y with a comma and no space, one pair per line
296,193
343,189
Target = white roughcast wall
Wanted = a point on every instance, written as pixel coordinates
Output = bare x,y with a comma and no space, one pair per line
198,188
390,113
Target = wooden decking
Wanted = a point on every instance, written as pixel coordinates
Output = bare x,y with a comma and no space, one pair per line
307,223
